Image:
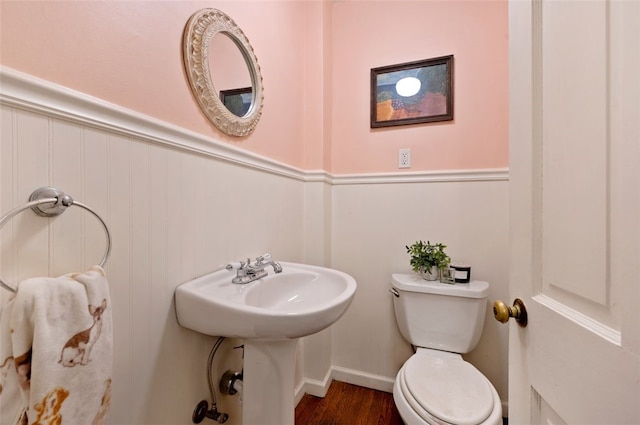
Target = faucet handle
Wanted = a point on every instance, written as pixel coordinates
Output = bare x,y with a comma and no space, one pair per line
264,258
235,265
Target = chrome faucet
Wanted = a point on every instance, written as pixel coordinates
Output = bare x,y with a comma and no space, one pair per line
247,272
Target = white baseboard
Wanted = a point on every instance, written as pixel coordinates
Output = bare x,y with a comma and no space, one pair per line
314,387
363,379
350,376
298,393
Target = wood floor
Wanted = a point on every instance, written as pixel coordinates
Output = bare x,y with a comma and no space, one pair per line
347,404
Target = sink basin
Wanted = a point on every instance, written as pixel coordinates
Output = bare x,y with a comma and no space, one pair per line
300,301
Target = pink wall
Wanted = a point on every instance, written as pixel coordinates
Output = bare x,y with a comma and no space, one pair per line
130,53
378,33
317,88
315,59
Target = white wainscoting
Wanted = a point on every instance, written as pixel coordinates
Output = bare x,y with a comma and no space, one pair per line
177,207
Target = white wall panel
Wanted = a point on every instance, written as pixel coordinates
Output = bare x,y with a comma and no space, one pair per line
31,154
94,193
67,237
6,200
119,274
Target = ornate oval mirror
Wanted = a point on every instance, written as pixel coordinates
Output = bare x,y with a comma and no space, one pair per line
212,41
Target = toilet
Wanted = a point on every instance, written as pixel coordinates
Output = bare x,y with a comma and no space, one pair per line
442,321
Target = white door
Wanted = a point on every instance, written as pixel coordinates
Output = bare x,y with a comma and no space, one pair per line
575,211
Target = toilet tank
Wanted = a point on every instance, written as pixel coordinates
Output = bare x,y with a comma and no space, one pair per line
447,317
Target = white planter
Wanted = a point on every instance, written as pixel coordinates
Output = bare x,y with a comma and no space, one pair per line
431,274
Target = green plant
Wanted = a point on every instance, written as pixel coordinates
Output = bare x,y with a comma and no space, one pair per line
424,256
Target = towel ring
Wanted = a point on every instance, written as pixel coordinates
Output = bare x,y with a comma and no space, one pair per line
50,202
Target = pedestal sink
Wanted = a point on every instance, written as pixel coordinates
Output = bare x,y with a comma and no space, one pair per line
270,314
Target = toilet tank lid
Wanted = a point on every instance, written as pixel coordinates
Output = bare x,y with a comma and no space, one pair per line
415,283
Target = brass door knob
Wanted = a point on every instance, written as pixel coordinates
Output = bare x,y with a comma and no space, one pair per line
503,312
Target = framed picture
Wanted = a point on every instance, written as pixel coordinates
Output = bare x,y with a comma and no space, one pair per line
237,101
412,93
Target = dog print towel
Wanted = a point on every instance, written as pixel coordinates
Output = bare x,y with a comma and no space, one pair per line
56,351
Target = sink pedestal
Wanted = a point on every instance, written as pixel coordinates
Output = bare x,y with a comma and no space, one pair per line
269,368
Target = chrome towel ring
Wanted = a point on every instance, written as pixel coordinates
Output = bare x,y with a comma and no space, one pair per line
50,202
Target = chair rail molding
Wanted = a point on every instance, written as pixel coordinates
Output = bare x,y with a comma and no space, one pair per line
23,91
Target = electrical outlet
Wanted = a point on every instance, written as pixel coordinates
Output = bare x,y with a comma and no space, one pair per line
404,158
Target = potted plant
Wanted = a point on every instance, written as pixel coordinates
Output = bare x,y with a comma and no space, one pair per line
428,259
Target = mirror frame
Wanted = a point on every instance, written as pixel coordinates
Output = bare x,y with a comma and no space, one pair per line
200,30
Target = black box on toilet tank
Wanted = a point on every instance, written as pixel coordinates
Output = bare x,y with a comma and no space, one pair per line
461,272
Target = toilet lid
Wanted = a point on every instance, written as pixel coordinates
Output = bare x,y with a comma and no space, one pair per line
448,388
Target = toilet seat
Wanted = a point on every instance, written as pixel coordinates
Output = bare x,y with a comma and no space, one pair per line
441,388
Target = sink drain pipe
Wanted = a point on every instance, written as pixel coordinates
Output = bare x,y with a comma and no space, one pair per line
231,382
202,410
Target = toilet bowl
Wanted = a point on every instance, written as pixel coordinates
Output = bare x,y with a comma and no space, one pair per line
436,385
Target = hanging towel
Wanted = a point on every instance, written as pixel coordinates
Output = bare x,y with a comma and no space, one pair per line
13,409
60,350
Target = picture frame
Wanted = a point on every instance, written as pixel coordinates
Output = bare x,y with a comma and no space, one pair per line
237,101
412,92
